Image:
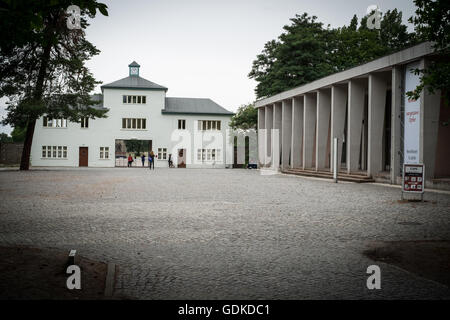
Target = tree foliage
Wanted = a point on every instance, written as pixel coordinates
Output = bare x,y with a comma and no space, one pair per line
42,61
307,50
137,146
245,118
5,138
432,23
18,134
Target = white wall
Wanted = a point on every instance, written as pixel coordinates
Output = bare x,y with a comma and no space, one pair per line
160,128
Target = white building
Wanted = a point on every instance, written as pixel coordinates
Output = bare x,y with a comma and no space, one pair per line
193,130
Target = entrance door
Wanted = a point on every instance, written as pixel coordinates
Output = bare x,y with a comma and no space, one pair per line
83,161
181,158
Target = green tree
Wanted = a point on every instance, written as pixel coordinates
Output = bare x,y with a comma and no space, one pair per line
432,23
42,61
5,138
136,146
297,57
307,51
245,118
18,134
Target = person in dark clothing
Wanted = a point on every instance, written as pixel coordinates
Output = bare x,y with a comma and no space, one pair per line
152,156
170,161
143,160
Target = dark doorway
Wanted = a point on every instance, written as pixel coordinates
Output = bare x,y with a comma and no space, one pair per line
181,158
83,157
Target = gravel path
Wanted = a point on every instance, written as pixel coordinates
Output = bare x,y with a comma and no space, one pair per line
222,233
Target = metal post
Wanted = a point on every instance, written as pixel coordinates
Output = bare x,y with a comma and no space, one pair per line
335,159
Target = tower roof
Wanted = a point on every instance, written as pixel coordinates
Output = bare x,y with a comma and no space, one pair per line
134,64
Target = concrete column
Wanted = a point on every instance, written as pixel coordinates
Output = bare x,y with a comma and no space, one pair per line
356,92
397,92
262,144
429,128
297,132
309,127
269,126
338,111
277,111
322,125
286,132
376,112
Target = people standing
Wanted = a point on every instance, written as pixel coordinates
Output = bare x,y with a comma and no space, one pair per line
150,161
152,157
143,159
130,160
170,161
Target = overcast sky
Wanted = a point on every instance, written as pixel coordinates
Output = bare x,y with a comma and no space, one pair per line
204,48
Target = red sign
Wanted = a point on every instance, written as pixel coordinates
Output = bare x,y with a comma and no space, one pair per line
413,178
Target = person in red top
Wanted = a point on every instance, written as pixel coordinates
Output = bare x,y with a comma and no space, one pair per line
130,160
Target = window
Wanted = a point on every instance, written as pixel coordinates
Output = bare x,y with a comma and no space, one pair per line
162,153
85,122
54,123
133,123
54,152
134,99
181,124
208,155
104,152
208,124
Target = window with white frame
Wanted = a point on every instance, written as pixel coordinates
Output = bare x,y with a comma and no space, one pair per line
204,125
208,154
54,123
104,152
134,123
162,153
54,152
134,99
85,122
181,124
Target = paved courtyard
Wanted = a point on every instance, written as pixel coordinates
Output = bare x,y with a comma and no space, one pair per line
223,234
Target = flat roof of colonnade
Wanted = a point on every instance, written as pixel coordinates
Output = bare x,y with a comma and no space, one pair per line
384,63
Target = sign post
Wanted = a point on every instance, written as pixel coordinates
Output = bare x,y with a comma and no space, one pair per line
413,180
335,159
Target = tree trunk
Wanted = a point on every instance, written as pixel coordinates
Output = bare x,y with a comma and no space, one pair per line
39,89
25,160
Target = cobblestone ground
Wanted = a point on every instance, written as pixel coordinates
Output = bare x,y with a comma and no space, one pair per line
228,234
